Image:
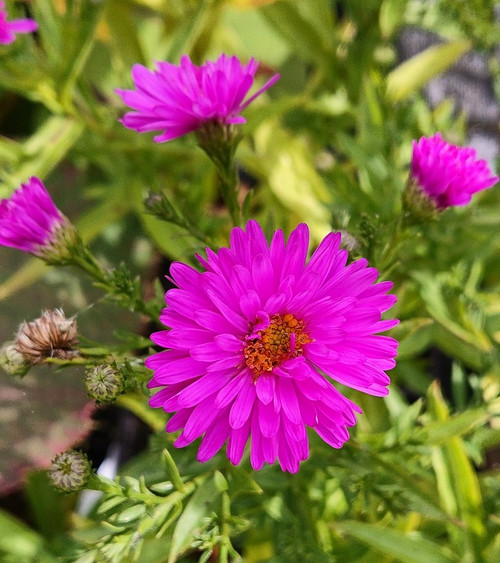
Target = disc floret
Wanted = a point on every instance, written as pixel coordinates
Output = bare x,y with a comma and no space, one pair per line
281,340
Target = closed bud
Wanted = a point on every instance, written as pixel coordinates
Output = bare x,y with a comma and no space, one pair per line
12,361
104,383
70,471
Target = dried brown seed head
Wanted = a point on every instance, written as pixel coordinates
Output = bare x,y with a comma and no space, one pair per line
50,336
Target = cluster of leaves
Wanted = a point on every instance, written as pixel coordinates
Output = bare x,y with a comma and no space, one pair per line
330,148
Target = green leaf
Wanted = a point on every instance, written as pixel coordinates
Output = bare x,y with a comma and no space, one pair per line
49,30
455,473
440,431
407,548
110,503
391,16
414,336
240,482
417,71
220,482
190,30
293,180
123,33
287,19
45,149
130,514
173,241
84,21
199,506
17,540
46,504
437,306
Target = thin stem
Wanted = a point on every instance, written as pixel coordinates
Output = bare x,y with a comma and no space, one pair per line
84,259
220,142
225,542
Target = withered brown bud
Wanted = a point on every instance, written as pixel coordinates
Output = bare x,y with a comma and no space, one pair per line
50,336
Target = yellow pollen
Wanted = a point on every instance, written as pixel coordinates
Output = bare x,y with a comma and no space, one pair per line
274,345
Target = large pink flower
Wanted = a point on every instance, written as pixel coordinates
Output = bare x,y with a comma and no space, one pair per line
9,29
30,221
448,175
255,339
180,99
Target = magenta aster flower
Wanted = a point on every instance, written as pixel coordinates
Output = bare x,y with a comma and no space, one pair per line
180,99
8,29
448,174
30,221
256,338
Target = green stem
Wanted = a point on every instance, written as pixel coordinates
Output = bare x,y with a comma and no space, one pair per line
84,259
220,142
225,542
228,182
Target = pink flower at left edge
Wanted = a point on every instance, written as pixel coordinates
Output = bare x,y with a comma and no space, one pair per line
179,99
9,29
30,221
257,340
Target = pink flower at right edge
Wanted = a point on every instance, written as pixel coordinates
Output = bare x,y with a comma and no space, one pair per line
448,175
179,99
9,29
256,338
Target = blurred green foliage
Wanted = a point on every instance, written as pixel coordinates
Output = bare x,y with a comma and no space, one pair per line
330,146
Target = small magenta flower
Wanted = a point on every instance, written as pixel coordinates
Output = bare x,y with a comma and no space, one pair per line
30,221
256,338
9,29
448,175
178,99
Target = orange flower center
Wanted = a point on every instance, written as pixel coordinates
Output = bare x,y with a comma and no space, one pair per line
281,340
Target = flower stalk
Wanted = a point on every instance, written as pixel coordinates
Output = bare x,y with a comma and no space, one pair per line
220,143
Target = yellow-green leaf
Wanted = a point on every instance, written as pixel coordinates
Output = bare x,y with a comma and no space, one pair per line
417,71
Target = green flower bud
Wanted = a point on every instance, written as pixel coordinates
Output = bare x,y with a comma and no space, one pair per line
104,383
417,205
12,361
58,251
70,471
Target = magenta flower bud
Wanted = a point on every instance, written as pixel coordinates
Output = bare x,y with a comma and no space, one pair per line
9,29
256,340
30,221
446,174
178,99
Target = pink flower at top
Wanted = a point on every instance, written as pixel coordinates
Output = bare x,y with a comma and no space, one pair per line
9,29
256,338
30,221
448,175
178,99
